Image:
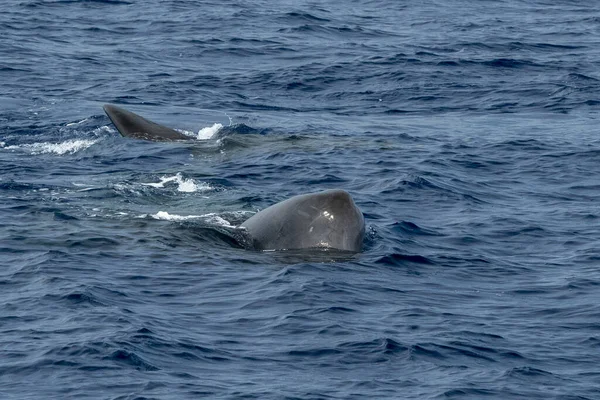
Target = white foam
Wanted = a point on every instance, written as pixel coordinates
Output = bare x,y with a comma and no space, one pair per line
184,185
209,131
70,146
102,130
163,215
77,123
211,218
218,220
189,186
163,180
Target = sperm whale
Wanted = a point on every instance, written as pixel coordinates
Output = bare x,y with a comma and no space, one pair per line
326,219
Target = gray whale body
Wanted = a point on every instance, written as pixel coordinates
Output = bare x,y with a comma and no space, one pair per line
328,219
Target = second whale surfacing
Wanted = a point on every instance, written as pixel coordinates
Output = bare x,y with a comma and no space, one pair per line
135,126
327,219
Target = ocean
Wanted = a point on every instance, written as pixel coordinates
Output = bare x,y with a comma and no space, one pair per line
466,132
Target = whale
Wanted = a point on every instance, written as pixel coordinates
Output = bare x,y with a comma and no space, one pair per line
328,219
135,126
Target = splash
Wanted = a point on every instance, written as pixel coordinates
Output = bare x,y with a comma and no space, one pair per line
209,131
204,133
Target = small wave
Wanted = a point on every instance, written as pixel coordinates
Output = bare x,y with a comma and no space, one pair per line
60,2
184,185
407,227
360,352
242,129
130,358
305,17
528,372
400,259
70,146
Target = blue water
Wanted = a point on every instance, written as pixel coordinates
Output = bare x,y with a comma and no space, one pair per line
467,133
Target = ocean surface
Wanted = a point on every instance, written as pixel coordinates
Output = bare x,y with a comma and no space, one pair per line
467,132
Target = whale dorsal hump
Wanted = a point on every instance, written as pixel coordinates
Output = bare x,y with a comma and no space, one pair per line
134,126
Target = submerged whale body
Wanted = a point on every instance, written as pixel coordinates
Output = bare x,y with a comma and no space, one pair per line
328,219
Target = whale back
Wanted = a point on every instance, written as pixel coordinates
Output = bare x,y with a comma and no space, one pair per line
328,219
134,126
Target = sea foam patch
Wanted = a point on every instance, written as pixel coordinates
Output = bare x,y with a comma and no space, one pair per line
70,146
211,218
183,185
